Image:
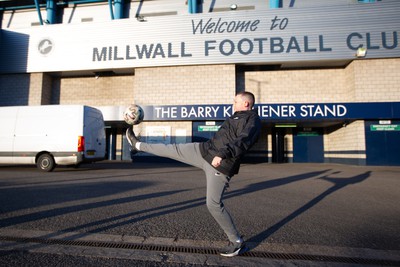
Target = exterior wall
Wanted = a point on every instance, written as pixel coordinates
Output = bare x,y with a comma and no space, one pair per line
40,89
373,81
20,18
46,89
360,81
25,89
87,13
298,86
210,84
14,89
349,78
101,91
36,89
346,144
377,80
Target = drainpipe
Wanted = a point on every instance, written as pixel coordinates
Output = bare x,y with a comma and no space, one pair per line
275,3
119,9
192,5
38,10
51,9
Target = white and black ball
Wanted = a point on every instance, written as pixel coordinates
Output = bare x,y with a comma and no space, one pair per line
133,114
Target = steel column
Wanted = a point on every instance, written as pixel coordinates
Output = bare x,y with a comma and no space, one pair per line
51,8
275,3
192,5
39,13
118,9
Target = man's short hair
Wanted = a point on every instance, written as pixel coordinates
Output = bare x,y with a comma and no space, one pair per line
248,97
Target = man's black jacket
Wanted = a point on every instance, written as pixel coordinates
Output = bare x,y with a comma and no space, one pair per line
233,139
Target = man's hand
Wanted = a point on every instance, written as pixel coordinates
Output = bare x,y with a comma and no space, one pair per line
216,161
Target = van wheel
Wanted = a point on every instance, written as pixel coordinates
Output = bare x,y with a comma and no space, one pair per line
45,163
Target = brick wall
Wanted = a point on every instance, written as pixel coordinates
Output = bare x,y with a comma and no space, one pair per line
346,144
377,80
298,86
361,81
103,91
36,89
40,89
46,89
212,84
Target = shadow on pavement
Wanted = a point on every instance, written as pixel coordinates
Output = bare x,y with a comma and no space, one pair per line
338,184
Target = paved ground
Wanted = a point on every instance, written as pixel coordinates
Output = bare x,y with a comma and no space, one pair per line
291,214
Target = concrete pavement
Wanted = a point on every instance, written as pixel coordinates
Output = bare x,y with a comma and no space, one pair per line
291,214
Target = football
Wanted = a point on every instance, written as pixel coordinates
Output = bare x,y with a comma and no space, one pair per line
133,114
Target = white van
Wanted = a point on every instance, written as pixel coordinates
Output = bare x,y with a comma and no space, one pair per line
51,135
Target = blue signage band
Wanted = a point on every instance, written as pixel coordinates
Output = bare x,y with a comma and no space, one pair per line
292,112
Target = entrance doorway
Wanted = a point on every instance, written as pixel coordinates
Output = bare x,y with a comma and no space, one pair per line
278,145
308,145
382,143
111,138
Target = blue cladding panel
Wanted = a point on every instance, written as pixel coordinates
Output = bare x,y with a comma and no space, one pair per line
383,147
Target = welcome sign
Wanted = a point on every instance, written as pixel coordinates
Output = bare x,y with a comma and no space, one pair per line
263,36
269,36
261,45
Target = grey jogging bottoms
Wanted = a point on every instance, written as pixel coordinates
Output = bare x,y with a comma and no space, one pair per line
216,182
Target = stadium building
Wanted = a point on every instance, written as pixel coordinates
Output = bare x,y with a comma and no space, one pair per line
325,73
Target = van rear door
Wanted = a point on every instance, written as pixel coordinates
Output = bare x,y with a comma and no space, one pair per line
8,118
94,134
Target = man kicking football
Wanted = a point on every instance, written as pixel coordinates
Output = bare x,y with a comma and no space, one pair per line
219,158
